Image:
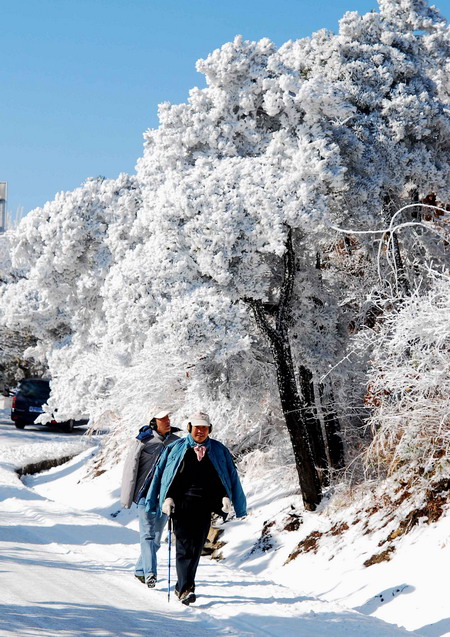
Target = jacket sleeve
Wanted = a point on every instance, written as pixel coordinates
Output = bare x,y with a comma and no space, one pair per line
237,493
130,470
151,501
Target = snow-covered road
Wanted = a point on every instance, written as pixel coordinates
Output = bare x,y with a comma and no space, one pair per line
68,572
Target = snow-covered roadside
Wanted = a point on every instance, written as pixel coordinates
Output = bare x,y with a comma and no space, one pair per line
408,590
31,446
67,564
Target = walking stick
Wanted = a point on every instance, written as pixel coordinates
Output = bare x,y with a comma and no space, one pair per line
169,540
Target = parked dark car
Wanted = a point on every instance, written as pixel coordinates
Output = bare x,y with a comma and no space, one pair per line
27,403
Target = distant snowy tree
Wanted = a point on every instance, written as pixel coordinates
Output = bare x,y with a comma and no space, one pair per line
14,343
66,250
15,364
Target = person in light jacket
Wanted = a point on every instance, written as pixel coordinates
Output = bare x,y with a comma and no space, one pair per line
138,471
194,477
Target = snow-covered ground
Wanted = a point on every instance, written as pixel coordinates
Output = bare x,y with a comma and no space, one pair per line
67,553
409,590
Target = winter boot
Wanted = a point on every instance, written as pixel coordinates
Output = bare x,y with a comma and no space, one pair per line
186,597
189,599
151,581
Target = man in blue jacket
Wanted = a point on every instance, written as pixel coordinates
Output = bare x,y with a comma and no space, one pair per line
195,477
138,471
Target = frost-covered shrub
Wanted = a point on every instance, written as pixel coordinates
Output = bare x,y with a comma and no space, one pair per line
409,386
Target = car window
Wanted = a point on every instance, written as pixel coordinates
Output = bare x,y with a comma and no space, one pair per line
35,389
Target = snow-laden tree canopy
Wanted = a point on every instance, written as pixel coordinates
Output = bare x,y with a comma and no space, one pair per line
324,131
138,288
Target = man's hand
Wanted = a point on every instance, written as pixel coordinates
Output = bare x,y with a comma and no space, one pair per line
168,506
226,505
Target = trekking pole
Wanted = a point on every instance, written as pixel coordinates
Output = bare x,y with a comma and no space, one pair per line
169,540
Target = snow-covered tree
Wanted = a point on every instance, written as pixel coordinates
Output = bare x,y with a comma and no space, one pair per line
14,365
65,251
247,203
283,145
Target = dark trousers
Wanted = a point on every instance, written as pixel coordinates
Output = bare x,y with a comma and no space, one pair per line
191,523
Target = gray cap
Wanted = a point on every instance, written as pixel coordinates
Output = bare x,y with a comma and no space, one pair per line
200,419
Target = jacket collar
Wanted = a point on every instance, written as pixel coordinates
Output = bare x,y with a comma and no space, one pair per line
147,432
190,442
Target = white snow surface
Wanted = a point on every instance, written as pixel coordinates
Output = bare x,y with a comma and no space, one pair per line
67,553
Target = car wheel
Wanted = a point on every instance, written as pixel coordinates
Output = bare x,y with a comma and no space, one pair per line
68,426
19,425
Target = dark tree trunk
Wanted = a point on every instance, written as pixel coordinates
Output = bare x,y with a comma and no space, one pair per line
332,426
313,424
392,204
292,405
294,414
403,282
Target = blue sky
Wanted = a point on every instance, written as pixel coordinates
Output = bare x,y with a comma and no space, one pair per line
81,80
